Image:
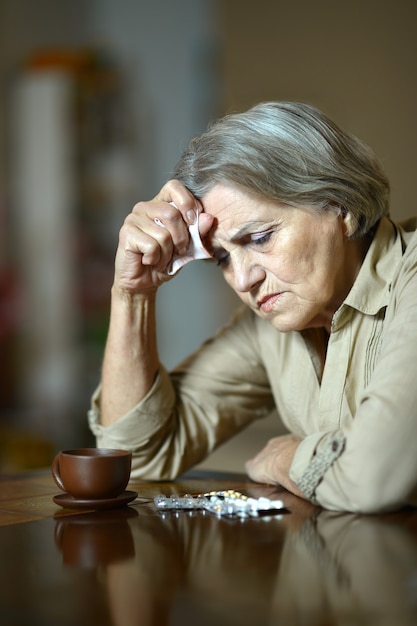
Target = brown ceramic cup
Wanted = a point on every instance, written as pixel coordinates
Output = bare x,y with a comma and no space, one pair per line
92,473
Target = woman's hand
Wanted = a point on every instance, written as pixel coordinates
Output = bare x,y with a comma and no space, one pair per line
151,234
272,464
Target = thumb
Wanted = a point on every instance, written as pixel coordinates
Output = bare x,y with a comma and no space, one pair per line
205,222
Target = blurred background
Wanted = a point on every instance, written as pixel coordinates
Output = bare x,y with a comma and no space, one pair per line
97,100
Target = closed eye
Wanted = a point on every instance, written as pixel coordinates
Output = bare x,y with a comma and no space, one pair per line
223,260
258,239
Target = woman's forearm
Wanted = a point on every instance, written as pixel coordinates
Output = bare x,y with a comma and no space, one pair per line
131,358
144,252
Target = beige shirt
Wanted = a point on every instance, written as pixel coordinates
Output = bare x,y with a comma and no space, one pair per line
357,418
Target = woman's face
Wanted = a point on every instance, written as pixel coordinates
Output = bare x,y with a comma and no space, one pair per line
292,266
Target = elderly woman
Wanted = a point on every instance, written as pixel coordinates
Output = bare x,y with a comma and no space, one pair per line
295,211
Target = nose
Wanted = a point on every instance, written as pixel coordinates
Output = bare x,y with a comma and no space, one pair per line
246,275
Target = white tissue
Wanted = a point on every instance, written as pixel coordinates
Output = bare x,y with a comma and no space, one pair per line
195,249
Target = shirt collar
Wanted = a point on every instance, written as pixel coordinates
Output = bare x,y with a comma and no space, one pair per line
370,291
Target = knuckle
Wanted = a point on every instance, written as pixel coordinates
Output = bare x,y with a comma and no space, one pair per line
168,213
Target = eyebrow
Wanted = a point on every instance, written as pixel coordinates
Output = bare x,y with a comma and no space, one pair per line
243,231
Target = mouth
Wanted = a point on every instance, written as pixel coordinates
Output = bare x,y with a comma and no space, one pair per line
266,304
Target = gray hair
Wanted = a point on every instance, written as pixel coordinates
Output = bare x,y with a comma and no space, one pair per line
292,153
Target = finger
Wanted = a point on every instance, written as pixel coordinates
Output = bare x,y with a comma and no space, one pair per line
205,223
163,222
175,192
154,247
254,473
168,225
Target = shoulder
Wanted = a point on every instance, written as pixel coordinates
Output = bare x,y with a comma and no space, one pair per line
408,234
404,284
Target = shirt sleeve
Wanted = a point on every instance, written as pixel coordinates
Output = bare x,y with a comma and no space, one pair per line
187,413
150,414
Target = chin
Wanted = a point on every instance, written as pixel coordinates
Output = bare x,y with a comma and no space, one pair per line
291,325
288,327
287,323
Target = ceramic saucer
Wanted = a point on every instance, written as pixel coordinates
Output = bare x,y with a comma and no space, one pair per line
69,502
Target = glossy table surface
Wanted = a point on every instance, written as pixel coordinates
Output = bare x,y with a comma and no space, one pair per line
138,567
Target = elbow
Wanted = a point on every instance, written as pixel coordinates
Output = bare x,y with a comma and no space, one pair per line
373,504
366,493
149,471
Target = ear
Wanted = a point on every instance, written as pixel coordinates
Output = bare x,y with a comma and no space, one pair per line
350,224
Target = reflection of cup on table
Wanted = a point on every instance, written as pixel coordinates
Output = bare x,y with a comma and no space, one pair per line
89,541
92,473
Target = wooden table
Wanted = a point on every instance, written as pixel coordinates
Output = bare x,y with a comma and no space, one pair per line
138,567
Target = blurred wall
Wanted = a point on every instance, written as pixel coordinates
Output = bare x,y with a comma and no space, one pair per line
356,60
168,55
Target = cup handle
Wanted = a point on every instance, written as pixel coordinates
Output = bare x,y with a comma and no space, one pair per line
56,473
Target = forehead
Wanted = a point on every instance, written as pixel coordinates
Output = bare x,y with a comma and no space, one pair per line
236,212
222,197
232,207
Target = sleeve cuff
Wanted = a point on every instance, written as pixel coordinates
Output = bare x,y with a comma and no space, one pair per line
314,456
134,429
